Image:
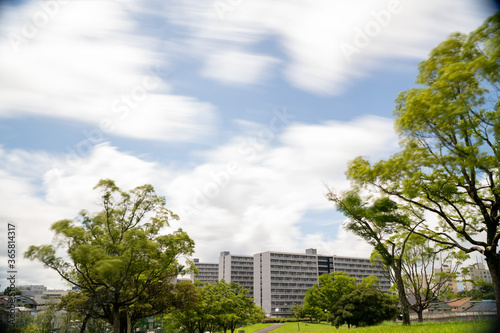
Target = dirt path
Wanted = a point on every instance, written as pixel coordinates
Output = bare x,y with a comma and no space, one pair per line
269,328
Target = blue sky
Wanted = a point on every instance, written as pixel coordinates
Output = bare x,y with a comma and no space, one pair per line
239,112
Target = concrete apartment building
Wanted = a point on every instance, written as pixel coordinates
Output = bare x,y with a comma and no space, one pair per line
282,279
237,268
278,280
479,271
361,268
207,272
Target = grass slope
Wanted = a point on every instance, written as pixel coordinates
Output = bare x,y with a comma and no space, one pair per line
476,326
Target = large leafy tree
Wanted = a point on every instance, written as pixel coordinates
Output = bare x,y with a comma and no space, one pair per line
236,308
187,308
449,164
220,306
322,297
364,306
117,256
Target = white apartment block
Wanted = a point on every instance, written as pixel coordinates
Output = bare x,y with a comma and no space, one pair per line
278,280
207,272
478,272
361,268
282,279
237,268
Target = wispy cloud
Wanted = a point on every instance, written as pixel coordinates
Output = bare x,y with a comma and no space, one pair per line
238,67
326,44
258,207
90,63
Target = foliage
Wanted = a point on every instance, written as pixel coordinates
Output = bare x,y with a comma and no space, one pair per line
45,320
364,306
298,312
482,291
322,297
449,131
209,307
118,258
11,291
427,269
378,221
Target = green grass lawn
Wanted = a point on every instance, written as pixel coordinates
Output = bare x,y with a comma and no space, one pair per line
390,327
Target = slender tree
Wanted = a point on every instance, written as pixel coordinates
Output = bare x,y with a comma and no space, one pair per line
377,223
427,268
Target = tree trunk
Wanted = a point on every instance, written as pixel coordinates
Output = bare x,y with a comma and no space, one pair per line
420,315
493,261
401,293
84,324
116,320
129,322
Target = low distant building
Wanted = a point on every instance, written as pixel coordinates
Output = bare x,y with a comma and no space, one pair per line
32,289
22,304
460,304
49,297
486,306
438,306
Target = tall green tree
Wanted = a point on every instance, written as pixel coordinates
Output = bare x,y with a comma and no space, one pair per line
236,308
449,131
378,221
117,256
187,308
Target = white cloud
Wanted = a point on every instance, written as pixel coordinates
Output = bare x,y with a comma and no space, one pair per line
90,63
259,205
238,67
248,196
34,195
345,244
313,34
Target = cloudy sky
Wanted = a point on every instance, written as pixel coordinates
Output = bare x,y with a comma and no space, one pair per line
239,112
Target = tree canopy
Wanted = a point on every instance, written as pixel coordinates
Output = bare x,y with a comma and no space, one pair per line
378,221
220,306
117,256
364,306
322,297
449,128
342,300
